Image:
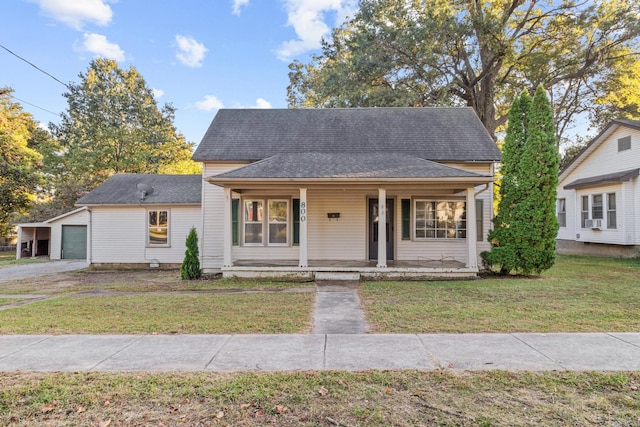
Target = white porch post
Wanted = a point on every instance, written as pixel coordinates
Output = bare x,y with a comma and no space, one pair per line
34,242
227,239
19,244
471,229
382,228
303,248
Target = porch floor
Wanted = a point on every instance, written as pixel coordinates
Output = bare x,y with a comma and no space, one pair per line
352,264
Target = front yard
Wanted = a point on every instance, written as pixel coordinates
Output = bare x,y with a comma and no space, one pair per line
580,294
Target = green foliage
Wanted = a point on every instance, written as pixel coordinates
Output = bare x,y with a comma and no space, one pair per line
113,125
190,268
478,54
20,164
525,226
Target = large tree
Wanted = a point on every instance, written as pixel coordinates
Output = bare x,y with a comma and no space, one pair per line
114,125
474,53
19,164
526,226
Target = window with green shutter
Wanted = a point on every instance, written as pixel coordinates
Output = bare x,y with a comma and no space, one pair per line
296,221
235,221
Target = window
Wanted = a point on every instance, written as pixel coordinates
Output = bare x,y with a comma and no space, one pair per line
624,143
253,222
596,206
158,227
272,228
562,212
584,211
611,210
440,219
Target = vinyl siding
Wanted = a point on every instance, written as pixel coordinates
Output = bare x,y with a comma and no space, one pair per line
55,244
605,159
119,234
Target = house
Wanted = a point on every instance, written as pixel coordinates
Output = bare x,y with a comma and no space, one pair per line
62,237
142,220
598,204
363,191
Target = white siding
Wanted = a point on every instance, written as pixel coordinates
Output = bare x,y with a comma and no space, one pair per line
212,216
605,159
119,234
55,244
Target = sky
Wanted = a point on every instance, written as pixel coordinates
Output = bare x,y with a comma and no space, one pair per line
198,55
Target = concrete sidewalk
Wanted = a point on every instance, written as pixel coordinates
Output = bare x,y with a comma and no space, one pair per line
353,352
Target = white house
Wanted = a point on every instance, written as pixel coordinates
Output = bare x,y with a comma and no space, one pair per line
599,195
363,191
142,220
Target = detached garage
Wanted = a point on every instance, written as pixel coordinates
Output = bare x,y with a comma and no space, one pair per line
63,237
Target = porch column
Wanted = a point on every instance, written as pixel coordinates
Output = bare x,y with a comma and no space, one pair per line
227,236
19,244
303,247
382,228
471,229
34,242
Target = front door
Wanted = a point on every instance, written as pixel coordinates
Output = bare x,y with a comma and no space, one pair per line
373,229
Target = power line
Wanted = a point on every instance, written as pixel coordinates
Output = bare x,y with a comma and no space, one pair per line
34,105
35,66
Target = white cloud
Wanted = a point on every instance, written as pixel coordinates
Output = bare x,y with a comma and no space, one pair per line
209,103
190,52
100,46
239,4
262,103
307,17
76,13
157,93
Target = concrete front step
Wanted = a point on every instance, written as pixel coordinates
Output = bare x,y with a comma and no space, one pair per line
337,275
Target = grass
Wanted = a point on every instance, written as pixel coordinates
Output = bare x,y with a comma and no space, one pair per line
374,398
8,259
4,301
579,294
180,313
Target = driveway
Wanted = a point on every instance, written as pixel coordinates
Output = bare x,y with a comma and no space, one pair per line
25,271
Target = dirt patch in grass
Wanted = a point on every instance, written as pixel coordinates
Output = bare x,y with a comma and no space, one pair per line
405,398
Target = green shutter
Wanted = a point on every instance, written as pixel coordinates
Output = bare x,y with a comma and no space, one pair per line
296,221
235,221
406,219
479,219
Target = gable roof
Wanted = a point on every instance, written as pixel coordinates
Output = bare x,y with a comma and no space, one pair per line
439,134
595,143
343,166
121,189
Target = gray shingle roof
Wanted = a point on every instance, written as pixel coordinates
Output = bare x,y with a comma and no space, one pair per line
122,189
610,178
343,165
439,134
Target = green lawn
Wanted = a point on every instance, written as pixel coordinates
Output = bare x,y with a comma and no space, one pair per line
579,294
374,398
9,258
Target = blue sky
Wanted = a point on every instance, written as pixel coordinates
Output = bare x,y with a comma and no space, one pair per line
199,55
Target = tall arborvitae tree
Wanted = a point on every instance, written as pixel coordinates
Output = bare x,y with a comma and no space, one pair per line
190,268
538,174
525,227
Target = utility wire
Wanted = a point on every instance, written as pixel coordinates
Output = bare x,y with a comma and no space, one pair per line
34,105
36,67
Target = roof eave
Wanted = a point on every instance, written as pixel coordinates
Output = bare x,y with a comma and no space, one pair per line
481,179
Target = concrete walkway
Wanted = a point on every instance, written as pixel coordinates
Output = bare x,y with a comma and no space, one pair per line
337,309
24,271
352,352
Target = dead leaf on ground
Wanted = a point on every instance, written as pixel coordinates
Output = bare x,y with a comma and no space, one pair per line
47,409
323,391
245,405
220,415
259,413
106,423
80,410
388,390
107,403
281,409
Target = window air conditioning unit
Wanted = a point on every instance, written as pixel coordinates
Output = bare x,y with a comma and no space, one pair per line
594,224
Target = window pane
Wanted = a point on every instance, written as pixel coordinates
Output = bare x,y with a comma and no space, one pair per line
596,207
253,232
253,210
278,233
153,218
158,236
611,201
163,218
278,210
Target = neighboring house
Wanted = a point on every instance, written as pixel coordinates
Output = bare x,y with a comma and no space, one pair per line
599,195
62,237
138,220
363,191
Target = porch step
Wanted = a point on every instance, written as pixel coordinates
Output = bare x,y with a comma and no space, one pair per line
337,275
